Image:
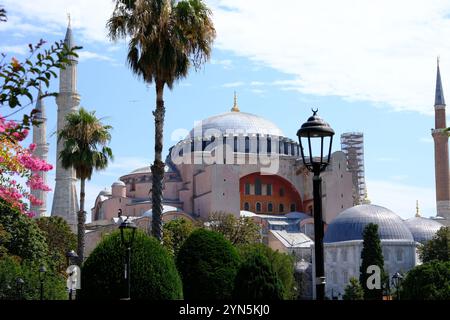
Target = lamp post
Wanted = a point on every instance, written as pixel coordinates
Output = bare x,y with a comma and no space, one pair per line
315,130
19,285
396,281
127,241
69,256
42,271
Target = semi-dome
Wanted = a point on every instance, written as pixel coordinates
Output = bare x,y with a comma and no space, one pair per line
235,123
422,229
350,224
105,192
142,170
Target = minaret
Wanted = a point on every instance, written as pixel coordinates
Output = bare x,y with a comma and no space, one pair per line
441,152
65,203
41,152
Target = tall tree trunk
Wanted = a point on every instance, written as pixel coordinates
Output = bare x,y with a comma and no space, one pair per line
158,165
81,222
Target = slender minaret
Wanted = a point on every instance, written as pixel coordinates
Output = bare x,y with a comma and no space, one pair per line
441,151
41,152
65,203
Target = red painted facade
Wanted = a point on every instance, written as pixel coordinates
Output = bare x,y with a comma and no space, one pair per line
282,198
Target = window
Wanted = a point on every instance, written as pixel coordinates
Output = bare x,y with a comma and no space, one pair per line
257,143
345,276
270,207
293,207
344,255
247,206
247,188
269,145
247,144
133,185
292,149
334,277
235,144
281,192
258,207
269,189
386,254
281,207
399,254
258,186
286,148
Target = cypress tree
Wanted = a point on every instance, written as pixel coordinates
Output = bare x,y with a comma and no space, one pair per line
371,254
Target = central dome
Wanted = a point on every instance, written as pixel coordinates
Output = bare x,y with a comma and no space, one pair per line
350,224
235,123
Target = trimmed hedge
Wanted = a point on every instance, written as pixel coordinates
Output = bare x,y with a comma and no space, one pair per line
257,280
208,264
153,272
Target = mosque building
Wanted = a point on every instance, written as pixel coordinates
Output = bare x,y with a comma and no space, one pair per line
243,164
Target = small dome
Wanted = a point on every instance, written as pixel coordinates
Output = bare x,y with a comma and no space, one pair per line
105,192
235,123
350,224
118,184
142,170
422,229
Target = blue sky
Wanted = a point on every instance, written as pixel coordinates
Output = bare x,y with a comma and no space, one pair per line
367,68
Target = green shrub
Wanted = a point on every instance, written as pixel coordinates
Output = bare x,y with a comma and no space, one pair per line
175,232
256,279
208,264
54,285
282,264
153,272
429,281
25,239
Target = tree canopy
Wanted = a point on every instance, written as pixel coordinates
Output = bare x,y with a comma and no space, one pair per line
437,248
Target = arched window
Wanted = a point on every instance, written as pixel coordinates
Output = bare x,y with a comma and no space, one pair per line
293,149
286,147
258,187
133,185
257,143
270,207
258,207
269,145
293,207
235,144
247,206
247,144
281,207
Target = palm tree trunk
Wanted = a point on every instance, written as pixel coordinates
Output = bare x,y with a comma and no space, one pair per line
158,165
81,222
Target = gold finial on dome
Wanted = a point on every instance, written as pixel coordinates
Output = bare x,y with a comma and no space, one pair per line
235,106
417,209
69,20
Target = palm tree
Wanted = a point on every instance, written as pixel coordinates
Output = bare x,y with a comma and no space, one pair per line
85,149
166,38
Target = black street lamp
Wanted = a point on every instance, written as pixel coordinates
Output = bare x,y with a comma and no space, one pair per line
19,286
127,238
315,130
69,256
396,281
42,271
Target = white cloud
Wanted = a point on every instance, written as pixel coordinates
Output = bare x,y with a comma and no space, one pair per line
128,164
233,84
401,198
18,49
382,52
50,16
258,91
225,63
257,83
89,55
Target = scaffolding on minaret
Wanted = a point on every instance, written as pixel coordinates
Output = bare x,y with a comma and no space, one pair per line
352,144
